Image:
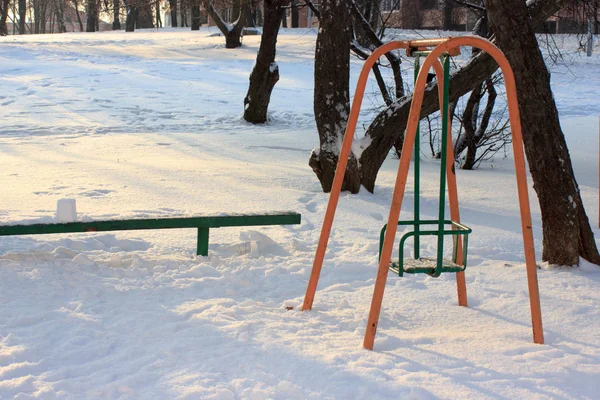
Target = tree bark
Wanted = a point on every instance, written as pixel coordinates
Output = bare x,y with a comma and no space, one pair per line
265,74
157,19
5,4
448,9
22,16
76,7
60,7
232,32
145,19
566,229
331,96
132,12
173,11
92,13
295,14
116,25
196,15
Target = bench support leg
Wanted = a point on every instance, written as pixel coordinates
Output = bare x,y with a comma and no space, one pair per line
202,249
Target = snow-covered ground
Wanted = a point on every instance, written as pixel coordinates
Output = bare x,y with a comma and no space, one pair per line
149,124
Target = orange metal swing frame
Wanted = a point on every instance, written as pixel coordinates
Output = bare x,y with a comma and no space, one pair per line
438,47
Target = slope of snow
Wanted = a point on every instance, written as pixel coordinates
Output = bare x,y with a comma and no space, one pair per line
148,125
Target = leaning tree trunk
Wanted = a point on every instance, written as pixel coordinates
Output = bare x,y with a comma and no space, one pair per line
196,15
331,96
265,74
566,229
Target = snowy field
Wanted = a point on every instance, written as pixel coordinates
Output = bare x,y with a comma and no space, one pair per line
149,125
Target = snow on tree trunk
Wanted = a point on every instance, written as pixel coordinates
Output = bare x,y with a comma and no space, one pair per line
566,229
265,74
131,18
331,96
232,32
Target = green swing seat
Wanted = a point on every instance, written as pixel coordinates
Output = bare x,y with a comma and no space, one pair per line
433,266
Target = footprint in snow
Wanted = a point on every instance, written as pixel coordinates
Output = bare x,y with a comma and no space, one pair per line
309,202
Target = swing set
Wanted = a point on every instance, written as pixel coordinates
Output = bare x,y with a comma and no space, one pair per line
437,53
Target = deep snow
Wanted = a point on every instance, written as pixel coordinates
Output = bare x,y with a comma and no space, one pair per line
149,124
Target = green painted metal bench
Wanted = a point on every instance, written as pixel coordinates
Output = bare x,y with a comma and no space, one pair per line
202,223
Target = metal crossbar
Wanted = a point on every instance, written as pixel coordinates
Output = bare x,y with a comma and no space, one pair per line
202,223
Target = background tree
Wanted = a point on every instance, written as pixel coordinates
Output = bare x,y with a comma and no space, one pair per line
59,9
233,31
4,8
145,15
173,12
116,25
22,16
566,230
265,73
132,12
76,8
196,16
91,9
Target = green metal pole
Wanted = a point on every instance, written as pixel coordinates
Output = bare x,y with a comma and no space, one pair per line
417,210
202,249
440,253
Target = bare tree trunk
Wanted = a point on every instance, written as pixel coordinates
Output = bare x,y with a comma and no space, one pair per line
145,19
4,4
473,133
235,10
22,16
157,18
92,14
173,11
76,7
566,229
295,14
448,9
116,25
196,15
232,32
265,74
60,18
36,16
331,97
130,21
43,6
